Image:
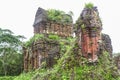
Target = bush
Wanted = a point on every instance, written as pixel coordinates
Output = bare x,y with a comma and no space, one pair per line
89,5
34,38
58,16
54,37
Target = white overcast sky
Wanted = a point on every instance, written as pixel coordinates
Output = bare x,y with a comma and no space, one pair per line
18,15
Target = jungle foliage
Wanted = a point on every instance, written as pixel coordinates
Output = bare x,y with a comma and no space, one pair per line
11,59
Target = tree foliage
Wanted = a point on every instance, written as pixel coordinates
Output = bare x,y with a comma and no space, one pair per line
10,53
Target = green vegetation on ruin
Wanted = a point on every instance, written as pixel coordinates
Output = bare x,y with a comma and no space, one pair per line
59,16
73,66
89,5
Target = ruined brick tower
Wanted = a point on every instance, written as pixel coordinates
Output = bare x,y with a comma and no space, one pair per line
44,25
44,50
89,32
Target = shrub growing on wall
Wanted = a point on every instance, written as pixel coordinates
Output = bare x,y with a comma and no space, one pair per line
58,16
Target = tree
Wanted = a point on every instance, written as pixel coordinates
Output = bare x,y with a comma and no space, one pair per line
70,13
10,46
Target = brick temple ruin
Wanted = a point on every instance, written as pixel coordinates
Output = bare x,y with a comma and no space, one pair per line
43,26
45,50
88,33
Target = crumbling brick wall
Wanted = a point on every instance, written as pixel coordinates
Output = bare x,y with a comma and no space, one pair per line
107,44
43,25
42,50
